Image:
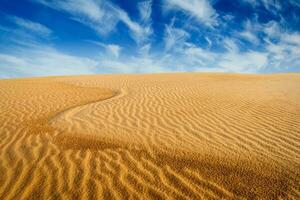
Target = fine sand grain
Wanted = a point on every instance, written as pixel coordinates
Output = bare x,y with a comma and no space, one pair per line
160,136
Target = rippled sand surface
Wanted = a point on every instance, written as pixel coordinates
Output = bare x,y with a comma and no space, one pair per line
159,136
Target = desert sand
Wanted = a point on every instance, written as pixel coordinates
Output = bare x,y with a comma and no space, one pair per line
158,136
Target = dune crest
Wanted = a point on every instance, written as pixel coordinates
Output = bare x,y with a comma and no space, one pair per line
160,136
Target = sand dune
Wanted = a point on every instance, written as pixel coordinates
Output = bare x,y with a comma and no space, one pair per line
162,136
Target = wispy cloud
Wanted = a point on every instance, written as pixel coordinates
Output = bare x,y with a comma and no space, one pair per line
174,37
114,49
85,8
26,54
230,45
272,29
111,49
284,53
145,11
271,5
44,61
103,16
30,26
243,62
138,33
291,38
98,15
202,10
249,32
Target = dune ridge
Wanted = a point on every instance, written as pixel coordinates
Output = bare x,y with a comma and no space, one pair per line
160,136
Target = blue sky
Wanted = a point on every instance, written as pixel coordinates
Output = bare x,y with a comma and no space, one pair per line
66,37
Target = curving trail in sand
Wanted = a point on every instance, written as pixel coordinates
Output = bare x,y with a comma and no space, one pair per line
167,136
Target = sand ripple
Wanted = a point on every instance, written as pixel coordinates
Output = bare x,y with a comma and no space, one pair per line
169,136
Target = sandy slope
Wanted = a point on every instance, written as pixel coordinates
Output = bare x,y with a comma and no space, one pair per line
177,136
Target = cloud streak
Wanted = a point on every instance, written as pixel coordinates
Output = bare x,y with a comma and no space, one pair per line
44,61
103,16
31,26
201,10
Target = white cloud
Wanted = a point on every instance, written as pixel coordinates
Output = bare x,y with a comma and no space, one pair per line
144,50
282,46
285,53
195,58
272,29
202,10
174,38
31,26
103,16
137,31
243,62
97,15
134,65
114,49
271,5
249,36
141,30
44,61
199,54
145,10
184,55
291,38
111,49
209,42
10,59
228,17
230,45
86,8
249,32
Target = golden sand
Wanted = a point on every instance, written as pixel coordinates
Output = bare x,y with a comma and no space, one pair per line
162,136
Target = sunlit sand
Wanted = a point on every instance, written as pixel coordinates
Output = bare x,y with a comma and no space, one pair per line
159,136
